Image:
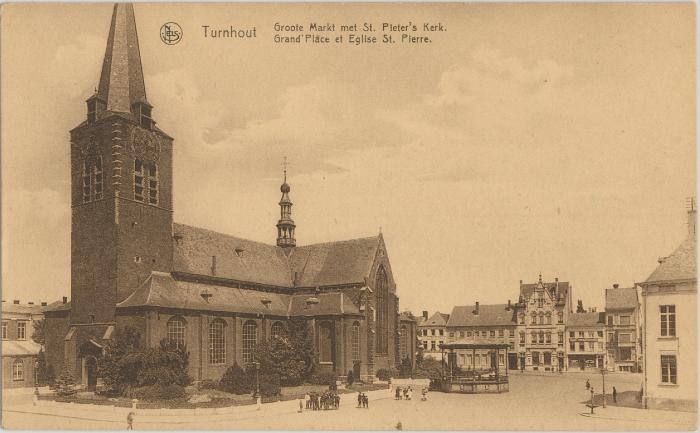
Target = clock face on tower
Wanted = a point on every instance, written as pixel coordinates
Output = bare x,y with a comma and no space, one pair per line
145,144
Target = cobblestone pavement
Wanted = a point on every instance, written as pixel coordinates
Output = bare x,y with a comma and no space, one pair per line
535,402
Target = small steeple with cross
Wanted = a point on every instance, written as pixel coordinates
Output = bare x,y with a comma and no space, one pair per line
285,226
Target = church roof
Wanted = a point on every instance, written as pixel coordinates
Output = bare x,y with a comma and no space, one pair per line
162,290
334,263
236,258
680,265
121,81
489,315
316,265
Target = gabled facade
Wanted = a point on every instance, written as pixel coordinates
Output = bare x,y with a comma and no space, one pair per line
543,310
622,320
585,333
218,295
432,332
669,298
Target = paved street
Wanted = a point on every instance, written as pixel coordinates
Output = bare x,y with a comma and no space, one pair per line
559,407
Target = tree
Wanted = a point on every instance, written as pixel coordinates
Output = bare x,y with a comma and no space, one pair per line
300,337
419,352
64,383
579,307
235,380
42,369
280,357
125,364
39,335
405,368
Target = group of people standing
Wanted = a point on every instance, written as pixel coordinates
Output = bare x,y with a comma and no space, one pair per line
362,400
326,400
403,393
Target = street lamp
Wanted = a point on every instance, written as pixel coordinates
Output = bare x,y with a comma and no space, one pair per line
602,373
257,383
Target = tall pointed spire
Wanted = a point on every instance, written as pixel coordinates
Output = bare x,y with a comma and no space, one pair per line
121,82
285,226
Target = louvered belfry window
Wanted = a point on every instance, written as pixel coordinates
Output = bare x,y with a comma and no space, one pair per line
382,289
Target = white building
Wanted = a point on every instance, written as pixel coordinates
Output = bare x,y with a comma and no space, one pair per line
432,332
669,300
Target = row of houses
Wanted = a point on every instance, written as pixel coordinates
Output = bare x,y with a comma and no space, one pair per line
649,327
543,331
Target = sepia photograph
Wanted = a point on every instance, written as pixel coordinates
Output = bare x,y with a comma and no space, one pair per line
349,216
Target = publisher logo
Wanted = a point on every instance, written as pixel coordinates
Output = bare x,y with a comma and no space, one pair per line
171,33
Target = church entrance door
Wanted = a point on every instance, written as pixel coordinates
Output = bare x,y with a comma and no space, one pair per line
91,373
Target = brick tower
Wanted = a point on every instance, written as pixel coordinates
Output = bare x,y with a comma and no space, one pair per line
121,175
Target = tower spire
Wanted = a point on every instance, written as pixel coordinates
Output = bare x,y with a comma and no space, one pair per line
285,226
121,88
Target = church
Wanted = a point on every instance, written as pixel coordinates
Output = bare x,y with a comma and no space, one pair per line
216,294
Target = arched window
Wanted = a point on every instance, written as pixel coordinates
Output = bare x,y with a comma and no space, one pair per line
548,318
541,318
534,318
326,342
176,331
403,342
355,341
217,342
278,330
18,369
250,339
382,290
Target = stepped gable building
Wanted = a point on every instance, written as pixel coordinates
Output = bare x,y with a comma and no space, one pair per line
543,310
217,294
432,332
477,324
623,328
669,298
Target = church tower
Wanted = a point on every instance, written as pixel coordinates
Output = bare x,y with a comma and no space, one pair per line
285,226
121,176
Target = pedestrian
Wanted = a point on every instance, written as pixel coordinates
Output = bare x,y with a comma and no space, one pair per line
301,403
130,421
588,384
409,393
614,395
424,394
397,396
359,399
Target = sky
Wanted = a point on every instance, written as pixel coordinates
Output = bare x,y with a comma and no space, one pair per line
526,138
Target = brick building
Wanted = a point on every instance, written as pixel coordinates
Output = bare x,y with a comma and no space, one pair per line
484,324
432,332
622,318
217,294
19,351
585,333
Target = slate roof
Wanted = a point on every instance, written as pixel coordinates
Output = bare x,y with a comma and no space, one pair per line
57,306
586,319
621,298
334,263
162,290
527,289
680,265
12,308
316,265
236,258
437,319
20,348
489,315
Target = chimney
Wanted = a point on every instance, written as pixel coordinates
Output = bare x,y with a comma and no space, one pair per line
476,308
425,315
65,299
692,217
615,286
30,302
213,265
43,304
15,301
